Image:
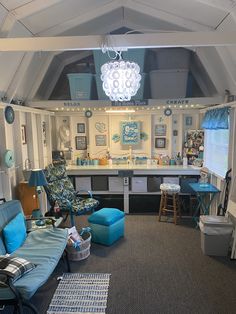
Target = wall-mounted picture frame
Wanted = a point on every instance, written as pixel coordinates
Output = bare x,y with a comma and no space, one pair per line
160,142
101,140
81,142
80,127
23,134
188,120
44,133
160,130
130,132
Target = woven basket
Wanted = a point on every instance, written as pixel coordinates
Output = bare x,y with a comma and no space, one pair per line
82,251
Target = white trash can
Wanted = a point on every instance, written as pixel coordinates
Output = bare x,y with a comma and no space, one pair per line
216,233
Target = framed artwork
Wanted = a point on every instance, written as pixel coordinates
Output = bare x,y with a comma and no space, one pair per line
44,133
80,127
160,142
160,130
23,134
175,132
188,121
130,132
80,142
101,140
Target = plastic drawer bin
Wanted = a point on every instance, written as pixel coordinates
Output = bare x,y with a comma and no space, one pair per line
80,85
173,58
168,83
107,225
216,233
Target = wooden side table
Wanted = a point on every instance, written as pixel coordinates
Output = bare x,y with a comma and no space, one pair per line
28,197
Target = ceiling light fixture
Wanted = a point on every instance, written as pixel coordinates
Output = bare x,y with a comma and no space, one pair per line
120,111
121,79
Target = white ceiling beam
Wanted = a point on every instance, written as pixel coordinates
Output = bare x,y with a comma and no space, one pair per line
7,25
165,16
225,5
161,40
40,76
32,7
81,19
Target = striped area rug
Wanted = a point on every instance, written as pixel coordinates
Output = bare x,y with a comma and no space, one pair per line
80,293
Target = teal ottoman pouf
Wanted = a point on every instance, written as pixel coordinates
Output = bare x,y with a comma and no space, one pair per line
107,225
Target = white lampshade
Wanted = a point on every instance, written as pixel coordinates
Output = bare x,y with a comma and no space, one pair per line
121,79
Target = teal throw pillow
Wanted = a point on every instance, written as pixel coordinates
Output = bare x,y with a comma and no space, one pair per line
14,233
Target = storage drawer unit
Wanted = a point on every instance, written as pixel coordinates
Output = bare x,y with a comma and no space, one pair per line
171,180
139,184
115,184
83,183
153,184
99,183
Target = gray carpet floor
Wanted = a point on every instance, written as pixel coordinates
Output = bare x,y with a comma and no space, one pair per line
156,268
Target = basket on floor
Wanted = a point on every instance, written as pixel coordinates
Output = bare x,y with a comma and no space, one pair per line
82,251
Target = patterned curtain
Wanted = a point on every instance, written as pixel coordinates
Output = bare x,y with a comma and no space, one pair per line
216,119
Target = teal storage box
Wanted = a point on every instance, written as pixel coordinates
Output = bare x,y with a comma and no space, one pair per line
80,85
107,225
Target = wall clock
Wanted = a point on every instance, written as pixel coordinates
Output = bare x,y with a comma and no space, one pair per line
88,113
9,114
8,158
168,112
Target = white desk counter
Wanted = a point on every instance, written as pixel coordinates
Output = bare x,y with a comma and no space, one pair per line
137,170
125,180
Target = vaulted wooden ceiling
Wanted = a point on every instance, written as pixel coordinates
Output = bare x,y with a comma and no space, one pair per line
34,74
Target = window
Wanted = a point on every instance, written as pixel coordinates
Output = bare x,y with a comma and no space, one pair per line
216,151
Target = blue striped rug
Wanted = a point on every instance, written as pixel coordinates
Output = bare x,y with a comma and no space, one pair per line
80,293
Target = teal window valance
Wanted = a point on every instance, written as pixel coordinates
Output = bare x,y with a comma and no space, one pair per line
216,119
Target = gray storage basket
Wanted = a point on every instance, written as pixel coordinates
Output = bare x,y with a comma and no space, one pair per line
82,251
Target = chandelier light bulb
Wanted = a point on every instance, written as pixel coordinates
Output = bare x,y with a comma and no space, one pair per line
121,79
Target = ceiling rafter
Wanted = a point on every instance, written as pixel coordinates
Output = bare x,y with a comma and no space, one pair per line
32,7
223,5
74,22
165,16
160,40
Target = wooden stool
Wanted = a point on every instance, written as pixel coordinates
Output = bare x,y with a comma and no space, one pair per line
169,200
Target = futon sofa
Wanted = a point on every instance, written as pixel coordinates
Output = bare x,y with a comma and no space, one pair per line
42,248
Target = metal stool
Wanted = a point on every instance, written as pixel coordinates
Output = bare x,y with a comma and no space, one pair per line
169,200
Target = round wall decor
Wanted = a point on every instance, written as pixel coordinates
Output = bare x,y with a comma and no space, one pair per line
168,112
9,114
8,158
88,114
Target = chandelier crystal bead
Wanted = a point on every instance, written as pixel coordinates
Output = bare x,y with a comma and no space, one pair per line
121,79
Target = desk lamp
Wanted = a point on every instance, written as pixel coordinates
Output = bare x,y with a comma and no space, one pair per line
37,178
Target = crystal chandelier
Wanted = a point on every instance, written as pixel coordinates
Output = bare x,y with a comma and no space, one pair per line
121,79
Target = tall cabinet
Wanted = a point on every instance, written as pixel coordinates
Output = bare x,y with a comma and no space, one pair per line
28,197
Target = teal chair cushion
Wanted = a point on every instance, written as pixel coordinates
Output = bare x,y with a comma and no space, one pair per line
45,256
14,233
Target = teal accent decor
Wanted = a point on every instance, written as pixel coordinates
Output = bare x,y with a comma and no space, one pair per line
106,216
14,233
216,119
130,132
135,55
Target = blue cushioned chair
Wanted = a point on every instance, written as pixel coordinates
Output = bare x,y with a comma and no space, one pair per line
43,248
61,190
